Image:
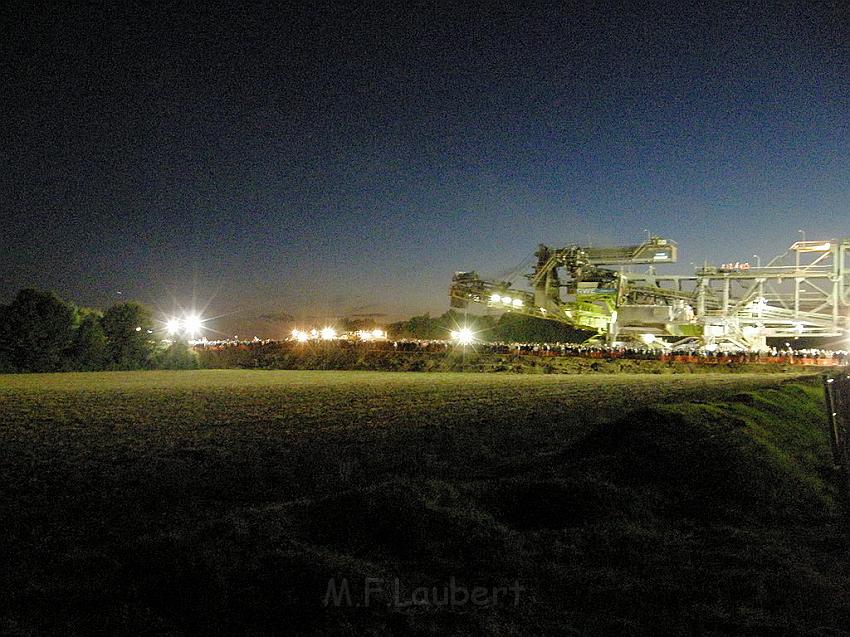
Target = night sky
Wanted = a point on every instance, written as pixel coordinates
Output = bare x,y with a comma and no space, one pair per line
330,161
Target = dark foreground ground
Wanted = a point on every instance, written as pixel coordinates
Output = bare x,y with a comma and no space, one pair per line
239,502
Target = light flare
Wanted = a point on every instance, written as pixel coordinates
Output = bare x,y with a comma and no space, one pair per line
172,326
463,336
192,325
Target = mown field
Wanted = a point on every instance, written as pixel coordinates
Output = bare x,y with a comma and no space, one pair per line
223,502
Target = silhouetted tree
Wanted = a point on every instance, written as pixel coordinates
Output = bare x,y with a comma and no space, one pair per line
36,332
88,351
529,329
353,324
508,327
418,327
426,328
128,341
178,355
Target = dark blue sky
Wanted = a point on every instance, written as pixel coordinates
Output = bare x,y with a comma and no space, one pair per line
330,161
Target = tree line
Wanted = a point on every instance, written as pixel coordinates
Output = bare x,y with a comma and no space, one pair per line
506,328
40,332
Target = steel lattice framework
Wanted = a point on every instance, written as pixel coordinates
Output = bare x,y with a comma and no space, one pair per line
802,293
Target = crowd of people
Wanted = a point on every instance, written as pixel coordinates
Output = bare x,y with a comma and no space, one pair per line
786,355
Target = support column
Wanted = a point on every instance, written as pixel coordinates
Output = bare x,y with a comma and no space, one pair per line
701,297
836,284
797,284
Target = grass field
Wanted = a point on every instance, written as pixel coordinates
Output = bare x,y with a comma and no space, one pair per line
224,501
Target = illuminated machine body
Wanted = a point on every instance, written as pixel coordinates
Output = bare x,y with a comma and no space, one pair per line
802,293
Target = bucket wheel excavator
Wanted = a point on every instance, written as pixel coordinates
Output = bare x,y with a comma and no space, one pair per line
802,293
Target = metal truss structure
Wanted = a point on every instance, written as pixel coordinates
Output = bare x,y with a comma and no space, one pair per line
802,293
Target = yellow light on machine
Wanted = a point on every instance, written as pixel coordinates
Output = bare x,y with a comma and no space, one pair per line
505,300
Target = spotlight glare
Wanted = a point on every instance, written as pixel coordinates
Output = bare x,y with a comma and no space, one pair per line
172,326
192,325
464,336
328,333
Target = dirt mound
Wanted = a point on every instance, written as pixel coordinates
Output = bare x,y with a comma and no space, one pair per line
704,460
422,521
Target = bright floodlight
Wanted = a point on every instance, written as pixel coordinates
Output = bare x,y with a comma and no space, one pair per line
376,333
172,326
495,298
192,325
300,336
328,333
517,302
464,336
